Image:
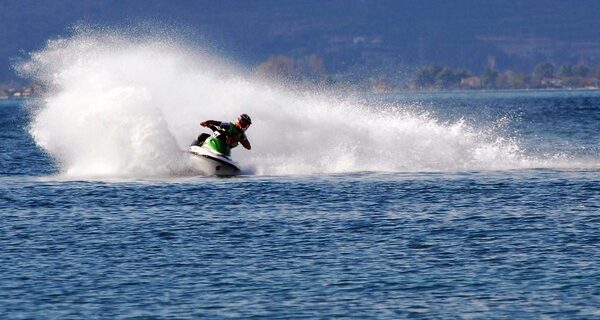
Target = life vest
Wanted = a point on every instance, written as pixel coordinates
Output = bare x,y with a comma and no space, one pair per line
226,138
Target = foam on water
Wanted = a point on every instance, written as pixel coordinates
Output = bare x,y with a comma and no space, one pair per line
126,106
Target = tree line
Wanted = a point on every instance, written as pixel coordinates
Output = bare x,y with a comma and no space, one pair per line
312,69
543,75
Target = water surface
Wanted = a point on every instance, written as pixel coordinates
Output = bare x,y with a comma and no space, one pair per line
512,243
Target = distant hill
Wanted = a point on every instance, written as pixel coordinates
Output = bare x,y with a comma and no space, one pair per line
354,38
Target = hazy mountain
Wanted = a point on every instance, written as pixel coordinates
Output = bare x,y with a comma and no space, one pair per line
353,37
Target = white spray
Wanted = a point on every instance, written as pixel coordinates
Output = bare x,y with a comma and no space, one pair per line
120,106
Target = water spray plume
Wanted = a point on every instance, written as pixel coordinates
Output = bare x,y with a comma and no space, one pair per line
124,106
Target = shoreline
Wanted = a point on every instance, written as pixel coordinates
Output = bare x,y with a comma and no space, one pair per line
464,91
415,92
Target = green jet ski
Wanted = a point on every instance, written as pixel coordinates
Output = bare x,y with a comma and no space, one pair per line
213,156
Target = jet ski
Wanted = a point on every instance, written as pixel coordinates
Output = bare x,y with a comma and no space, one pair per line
210,161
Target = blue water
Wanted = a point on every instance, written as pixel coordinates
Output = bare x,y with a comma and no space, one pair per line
519,244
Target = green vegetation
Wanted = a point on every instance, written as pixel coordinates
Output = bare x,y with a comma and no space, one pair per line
311,69
544,75
435,76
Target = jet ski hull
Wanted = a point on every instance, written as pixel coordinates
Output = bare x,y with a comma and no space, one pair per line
213,164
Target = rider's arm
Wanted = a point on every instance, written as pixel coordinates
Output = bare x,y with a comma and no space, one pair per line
246,144
210,123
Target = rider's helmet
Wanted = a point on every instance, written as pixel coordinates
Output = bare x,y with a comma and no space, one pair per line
244,121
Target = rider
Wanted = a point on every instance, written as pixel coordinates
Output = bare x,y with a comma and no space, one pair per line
227,135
